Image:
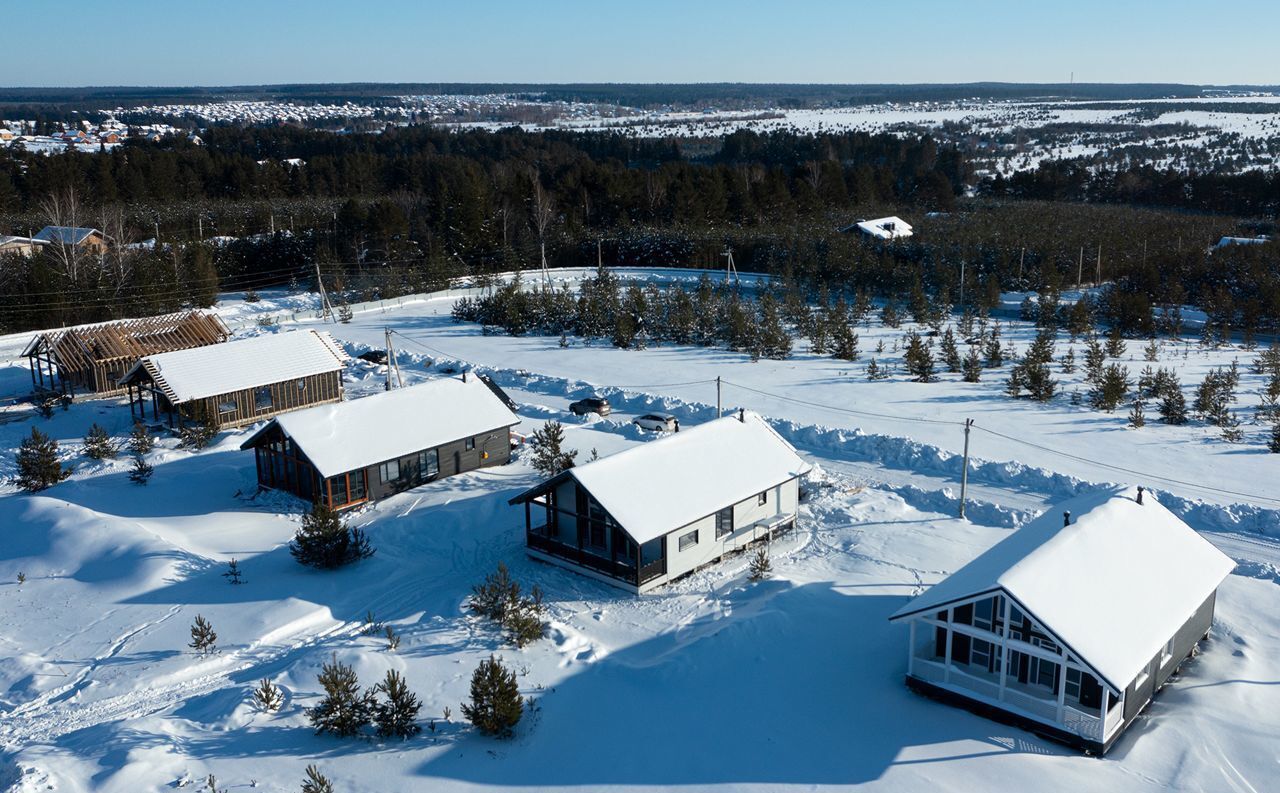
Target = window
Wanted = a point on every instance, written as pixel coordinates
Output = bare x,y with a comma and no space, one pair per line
596,518
762,499
262,399
389,471
724,522
428,464
1166,652
689,540
980,655
982,613
963,614
469,444
227,407
1073,684
1140,679
355,482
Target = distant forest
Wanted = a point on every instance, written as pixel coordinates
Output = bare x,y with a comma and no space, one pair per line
402,211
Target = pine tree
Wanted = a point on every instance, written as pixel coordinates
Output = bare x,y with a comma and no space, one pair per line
993,351
889,315
500,598
325,541
38,466
950,352
203,638
1173,406
1069,361
875,371
919,359
200,431
1115,343
1111,388
548,456
761,567
1137,414
844,341
345,708
142,470
316,782
268,696
396,714
1094,358
233,573
496,705
1273,445
1152,351
98,444
972,366
1013,385
140,440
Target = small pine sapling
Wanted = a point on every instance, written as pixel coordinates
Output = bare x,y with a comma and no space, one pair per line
141,471
316,782
548,455
38,465
1273,445
496,705
234,574
200,432
1137,414
761,566
393,639
140,440
268,696
371,625
203,638
396,713
98,444
22,578
345,708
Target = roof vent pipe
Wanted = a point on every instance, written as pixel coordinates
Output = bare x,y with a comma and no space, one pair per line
1066,519
464,375
742,415
1139,495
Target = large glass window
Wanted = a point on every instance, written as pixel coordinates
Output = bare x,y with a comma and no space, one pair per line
389,471
596,519
724,522
982,613
428,464
356,483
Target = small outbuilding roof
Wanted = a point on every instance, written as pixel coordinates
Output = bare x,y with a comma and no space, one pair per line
347,436
888,228
668,483
203,372
1114,585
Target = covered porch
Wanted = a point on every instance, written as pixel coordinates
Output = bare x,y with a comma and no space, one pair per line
587,536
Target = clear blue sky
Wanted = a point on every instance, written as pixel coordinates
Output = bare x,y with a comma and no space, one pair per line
148,42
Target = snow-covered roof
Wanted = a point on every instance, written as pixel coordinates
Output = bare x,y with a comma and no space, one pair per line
1114,585
671,482
349,435
888,228
65,235
184,375
1225,241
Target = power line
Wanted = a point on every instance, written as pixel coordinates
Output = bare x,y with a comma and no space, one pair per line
838,409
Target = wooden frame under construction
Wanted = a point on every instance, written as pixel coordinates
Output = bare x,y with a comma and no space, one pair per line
93,358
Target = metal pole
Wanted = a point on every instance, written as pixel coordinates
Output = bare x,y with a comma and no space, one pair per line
719,412
964,472
962,283
386,332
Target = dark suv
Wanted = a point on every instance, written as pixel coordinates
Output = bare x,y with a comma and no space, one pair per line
598,405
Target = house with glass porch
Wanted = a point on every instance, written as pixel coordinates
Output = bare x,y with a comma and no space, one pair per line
655,512
1069,626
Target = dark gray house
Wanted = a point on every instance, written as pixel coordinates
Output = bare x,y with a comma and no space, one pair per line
1070,625
355,452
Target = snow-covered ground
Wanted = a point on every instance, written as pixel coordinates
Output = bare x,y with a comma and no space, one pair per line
711,683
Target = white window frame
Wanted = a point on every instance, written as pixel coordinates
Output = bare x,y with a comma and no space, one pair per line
1166,653
688,540
1141,679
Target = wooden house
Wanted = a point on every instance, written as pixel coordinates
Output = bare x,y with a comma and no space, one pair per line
1070,625
240,382
89,239
359,451
93,358
656,512
21,246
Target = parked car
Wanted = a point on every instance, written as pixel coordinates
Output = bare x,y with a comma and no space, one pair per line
658,422
598,405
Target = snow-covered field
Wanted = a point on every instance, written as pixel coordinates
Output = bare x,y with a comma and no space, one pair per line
711,683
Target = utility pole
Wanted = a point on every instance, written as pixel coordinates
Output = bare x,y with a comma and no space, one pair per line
1099,274
962,283
325,305
1021,256
719,411
599,256
1080,268
546,274
392,363
273,224
964,472
200,227
729,268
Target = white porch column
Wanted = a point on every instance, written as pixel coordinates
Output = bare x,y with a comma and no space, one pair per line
1062,689
946,660
911,649
1004,648
1106,700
